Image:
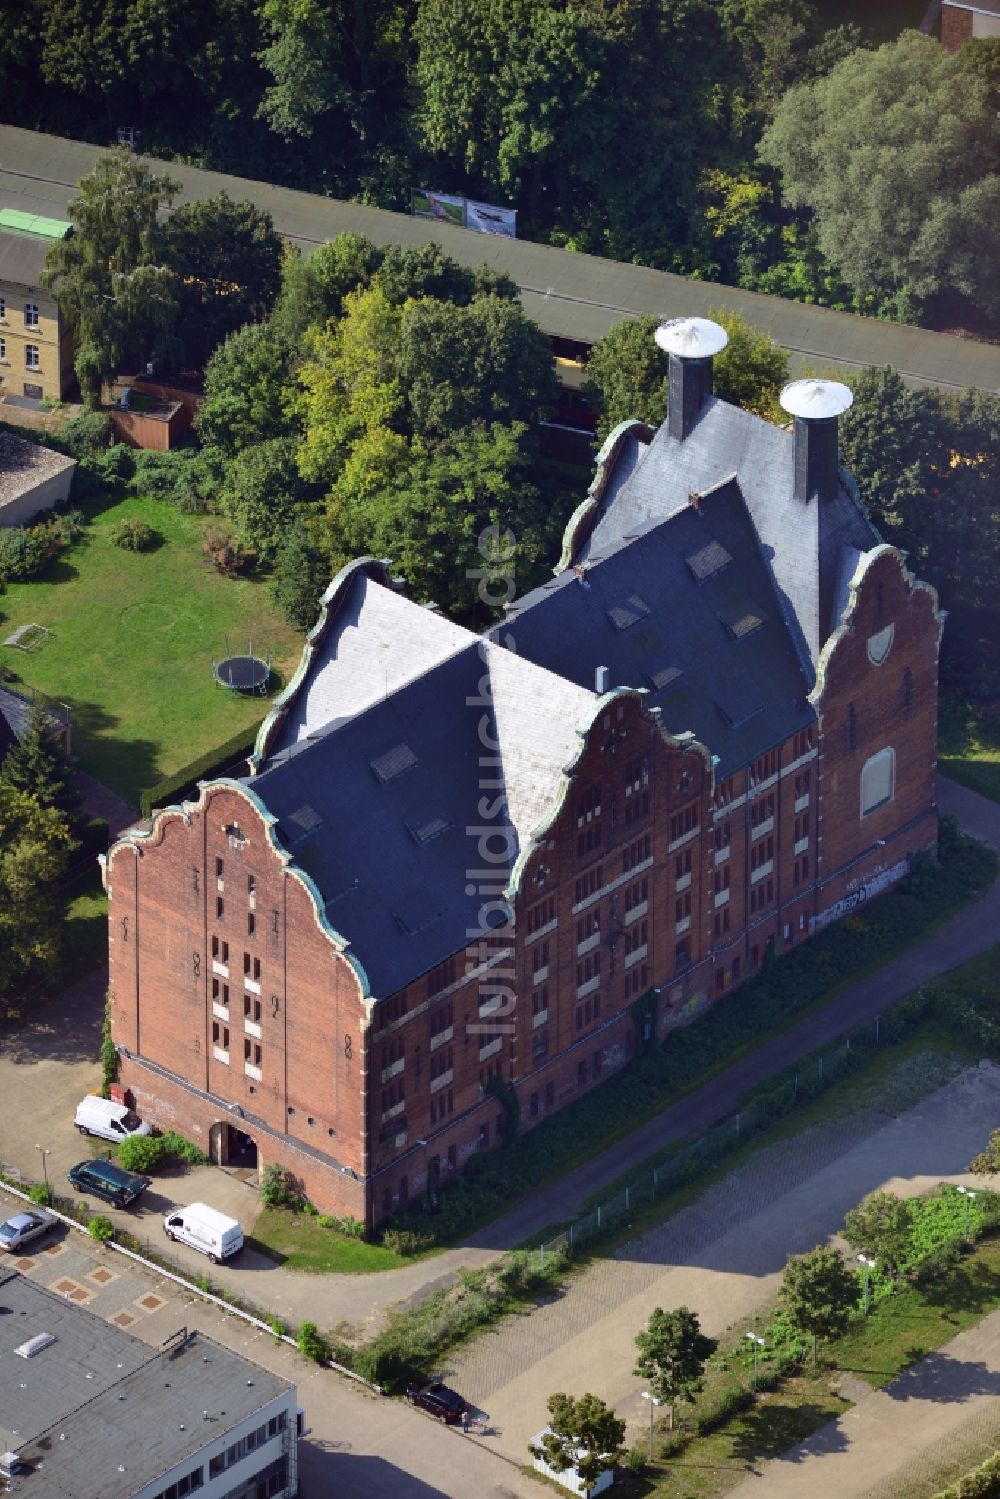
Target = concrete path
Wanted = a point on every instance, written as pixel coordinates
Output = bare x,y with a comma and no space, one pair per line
722,1256
891,1428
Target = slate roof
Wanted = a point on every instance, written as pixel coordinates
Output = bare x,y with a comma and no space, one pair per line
22,258
98,1397
686,608
805,545
381,808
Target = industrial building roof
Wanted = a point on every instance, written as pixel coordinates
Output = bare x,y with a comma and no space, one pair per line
22,258
96,1411
568,294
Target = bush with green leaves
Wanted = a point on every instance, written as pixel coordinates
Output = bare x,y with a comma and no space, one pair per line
351,1228
87,435
154,1152
311,1344
101,1229
405,1241
134,535
280,1188
982,1483
40,1194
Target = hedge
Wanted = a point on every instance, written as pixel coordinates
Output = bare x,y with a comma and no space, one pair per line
768,1001
184,782
982,1483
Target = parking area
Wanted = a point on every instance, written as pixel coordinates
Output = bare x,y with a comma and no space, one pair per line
357,1445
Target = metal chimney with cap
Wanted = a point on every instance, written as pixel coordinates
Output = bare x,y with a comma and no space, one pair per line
816,406
691,343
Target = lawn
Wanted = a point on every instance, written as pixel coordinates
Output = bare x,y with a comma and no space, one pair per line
969,747
300,1241
132,640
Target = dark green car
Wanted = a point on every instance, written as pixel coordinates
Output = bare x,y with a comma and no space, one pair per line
108,1181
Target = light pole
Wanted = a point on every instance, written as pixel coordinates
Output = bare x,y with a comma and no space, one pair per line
758,1344
43,1152
653,1402
869,1264
970,1198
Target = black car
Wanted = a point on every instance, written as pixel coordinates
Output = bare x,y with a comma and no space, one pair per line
108,1181
438,1400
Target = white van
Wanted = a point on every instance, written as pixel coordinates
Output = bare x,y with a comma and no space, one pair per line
110,1120
203,1228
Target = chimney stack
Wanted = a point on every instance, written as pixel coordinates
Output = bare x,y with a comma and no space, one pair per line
816,406
691,343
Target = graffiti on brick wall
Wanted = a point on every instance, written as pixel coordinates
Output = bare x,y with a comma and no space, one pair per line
864,892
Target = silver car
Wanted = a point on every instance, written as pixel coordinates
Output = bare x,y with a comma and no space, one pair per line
23,1228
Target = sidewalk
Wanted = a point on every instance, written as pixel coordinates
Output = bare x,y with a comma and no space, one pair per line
892,1428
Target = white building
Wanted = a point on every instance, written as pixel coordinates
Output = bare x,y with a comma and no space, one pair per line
87,1409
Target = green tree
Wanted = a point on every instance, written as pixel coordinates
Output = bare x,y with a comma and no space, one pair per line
673,1352
260,494
582,1435
37,766
300,577
881,1225
891,442
410,271
227,259
112,54
428,516
751,369
819,1292
485,362
987,1162
897,153
35,843
302,58
246,384
109,275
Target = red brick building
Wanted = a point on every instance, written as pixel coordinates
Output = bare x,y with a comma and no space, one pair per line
459,862
961,20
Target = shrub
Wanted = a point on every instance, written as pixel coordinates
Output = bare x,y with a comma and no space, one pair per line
733,1403
101,1229
406,1241
634,1460
25,551
40,1194
277,1328
150,1152
109,1053
86,435
351,1228
982,1483
279,1188
311,1344
135,535
224,552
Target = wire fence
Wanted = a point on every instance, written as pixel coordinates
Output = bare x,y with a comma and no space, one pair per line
689,1160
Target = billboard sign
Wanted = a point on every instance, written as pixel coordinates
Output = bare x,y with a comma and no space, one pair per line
483,218
486,219
427,205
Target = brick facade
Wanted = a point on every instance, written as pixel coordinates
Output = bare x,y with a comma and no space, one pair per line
650,875
956,27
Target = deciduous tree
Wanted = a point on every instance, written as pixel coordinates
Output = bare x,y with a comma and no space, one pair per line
673,1352
583,1435
897,153
247,382
819,1293
881,1225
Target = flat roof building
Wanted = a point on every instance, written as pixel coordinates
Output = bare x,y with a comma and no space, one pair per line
87,1409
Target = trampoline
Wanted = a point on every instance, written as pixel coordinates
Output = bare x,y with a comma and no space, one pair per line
243,673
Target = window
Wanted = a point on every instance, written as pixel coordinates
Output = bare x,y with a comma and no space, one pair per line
682,867
762,810
3,349
588,823
540,1004
684,822
220,870
682,908
220,951
800,870
636,791
725,791
587,885
637,894
251,1052
588,928
541,914
802,784
721,882
251,968
762,852
636,853
32,358
251,1008
878,780
636,980
220,1040
30,315
251,924
803,742
764,768
220,908
539,1046
723,836
441,977
720,922
3,310
802,827
761,894
442,1064
442,1019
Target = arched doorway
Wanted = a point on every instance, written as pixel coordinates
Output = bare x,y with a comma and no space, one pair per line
234,1148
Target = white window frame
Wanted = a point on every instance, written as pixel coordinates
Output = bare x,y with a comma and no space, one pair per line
883,767
31,314
32,357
